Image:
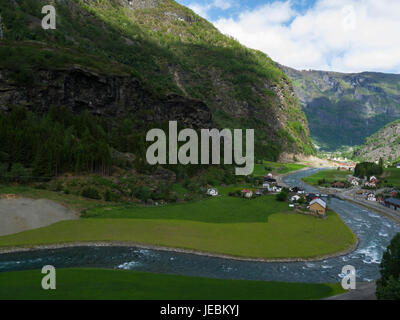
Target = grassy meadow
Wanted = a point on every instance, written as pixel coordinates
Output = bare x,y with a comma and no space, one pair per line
258,228
391,176
275,168
96,284
330,176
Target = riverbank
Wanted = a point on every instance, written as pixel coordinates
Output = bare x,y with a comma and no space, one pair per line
261,229
348,194
374,233
169,249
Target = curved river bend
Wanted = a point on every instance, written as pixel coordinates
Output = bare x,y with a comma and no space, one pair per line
373,231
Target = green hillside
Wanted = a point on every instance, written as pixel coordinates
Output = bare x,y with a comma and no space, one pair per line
383,144
164,47
343,109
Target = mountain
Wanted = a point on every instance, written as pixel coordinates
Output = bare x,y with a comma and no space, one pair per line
384,144
153,60
344,109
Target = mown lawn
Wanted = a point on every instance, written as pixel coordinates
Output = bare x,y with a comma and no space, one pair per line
329,175
259,228
105,284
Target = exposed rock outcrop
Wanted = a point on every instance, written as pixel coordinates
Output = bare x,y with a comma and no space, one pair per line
106,95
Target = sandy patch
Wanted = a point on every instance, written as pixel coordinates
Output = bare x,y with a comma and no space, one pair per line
22,214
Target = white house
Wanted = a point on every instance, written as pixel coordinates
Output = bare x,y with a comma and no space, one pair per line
295,198
212,192
247,193
370,184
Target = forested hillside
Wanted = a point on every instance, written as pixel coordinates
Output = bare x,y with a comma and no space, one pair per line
145,61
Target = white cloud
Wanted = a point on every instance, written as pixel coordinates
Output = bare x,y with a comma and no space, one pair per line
203,9
222,4
340,35
200,9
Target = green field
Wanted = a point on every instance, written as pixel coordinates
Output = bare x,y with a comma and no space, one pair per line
391,176
275,168
83,284
259,228
329,175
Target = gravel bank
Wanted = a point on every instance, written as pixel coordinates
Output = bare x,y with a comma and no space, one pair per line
22,214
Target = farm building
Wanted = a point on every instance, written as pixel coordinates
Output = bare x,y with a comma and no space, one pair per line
337,184
318,206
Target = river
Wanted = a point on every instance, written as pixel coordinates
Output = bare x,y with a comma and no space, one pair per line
373,231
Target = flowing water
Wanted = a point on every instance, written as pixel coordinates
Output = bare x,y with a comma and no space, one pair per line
373,231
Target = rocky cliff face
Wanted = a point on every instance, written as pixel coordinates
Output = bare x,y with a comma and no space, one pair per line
101,94
344,109
384,144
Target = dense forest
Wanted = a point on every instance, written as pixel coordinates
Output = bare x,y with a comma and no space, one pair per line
43,146
368,169
39,147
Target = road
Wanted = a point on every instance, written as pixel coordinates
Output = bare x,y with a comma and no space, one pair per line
363,291
351,195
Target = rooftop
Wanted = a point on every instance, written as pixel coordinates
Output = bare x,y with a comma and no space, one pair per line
393,201
319,201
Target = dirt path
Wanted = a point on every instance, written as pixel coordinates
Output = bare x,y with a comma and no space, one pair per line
363,291
22,214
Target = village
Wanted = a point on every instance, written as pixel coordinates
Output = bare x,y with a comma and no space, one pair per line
297,198
369,191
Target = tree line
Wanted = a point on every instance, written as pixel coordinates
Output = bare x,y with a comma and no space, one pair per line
43,146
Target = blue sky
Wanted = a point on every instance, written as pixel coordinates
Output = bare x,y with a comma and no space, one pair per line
333,35
236,7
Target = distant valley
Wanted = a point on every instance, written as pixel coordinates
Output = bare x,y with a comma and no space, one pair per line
344,109
384,144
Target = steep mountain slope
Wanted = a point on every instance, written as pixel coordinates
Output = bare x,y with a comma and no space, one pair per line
384,144
166,51
344,109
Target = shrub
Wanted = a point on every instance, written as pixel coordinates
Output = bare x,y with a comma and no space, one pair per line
111,196
142,193
91,193
40,186
282,196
